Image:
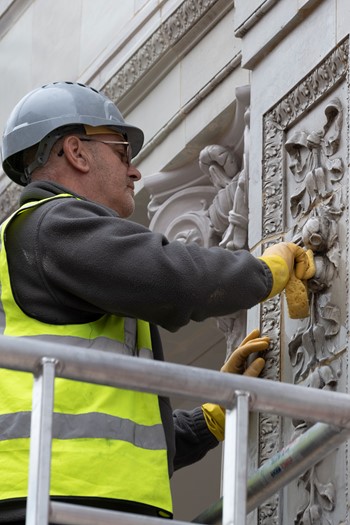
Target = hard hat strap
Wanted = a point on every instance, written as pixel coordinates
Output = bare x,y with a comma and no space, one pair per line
44,150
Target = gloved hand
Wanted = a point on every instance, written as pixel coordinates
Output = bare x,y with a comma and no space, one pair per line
251,344
283,259
214,414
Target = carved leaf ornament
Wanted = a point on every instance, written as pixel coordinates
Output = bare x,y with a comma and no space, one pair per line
310,161
321,498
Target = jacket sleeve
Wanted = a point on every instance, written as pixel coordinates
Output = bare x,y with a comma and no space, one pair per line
193,439
87,259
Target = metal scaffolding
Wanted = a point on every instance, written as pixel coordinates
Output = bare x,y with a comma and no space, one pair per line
289,463
238,394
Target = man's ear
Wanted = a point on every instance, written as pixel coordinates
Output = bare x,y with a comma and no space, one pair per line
76,154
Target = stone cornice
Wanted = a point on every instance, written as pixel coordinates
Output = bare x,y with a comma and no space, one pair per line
254,18
174,38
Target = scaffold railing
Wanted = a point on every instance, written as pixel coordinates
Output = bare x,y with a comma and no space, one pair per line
237,394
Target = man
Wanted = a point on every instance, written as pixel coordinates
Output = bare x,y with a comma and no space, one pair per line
75,270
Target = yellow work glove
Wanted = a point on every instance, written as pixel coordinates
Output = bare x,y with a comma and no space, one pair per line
283,259
215,415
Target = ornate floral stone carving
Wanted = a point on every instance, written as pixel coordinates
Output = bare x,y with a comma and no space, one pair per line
319,201
316,207
321,498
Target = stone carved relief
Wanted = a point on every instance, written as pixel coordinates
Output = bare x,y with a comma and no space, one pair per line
192,225
315,207
312,162
321,497
228,213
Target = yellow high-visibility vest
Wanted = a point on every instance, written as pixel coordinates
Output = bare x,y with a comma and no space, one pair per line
107,442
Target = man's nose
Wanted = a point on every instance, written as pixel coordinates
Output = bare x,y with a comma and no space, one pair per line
134,173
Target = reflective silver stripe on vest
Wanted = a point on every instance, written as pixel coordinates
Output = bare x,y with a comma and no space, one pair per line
100,343
2,318
91,425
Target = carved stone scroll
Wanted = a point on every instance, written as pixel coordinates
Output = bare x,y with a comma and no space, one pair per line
228,216
315,207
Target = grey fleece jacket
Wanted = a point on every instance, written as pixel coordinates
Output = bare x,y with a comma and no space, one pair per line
72,261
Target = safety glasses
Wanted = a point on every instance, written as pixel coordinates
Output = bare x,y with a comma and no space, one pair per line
125,155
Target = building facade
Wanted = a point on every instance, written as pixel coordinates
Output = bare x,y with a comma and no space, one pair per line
244,105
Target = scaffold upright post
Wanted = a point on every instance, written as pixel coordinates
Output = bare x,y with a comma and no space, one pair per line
235,462
40,444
